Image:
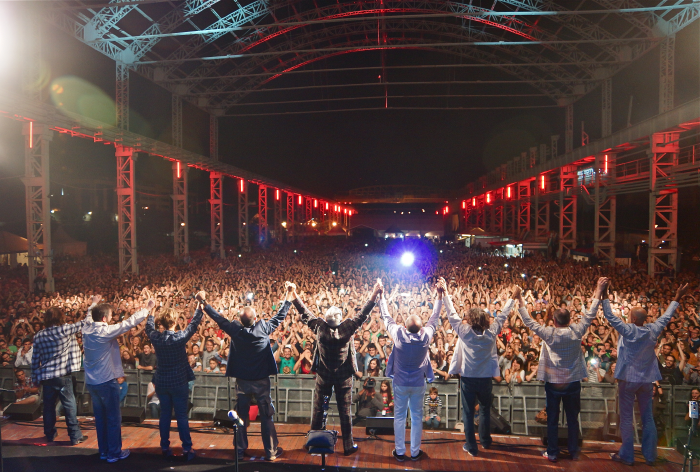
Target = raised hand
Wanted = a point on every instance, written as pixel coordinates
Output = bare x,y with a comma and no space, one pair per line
680,293
201,296
601,287
151,304
96,299
517,292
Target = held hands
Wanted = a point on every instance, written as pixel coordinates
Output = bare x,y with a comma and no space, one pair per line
517,293
601,288
150,304
378,289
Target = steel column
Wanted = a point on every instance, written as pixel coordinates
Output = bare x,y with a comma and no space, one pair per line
38,207
243,214
541,212
567,209
663,204
126,210
498,212
481,212
177,120
216,203
278,214
213,137
308,202
667,54
524,206
263,230
181,240
569,125
607,107
122,97
605,209
290,214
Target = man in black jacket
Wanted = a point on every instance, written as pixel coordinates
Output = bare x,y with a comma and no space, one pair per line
251,363
336,365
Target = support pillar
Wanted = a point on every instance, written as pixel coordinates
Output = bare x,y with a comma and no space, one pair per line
605,209
567,210
524,206
541,211
308,202
498,212
278,215
181,225
290,214
38,207
607,107
569,125
122,97
263,230
213,137
216,203
243,214
177,120
663,205
667,53
481,212
126,210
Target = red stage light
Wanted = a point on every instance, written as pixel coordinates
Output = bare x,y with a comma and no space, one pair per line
473,201
488,198
315,203
178,169
242,185
464,204
299,199
542,182
31,135
277,194
508,192
606,163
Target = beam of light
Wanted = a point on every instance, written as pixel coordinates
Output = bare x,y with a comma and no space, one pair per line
407,259
464,204
277,194
473,201
488,198
606,163
326,205
300,197
508,190
315,203
542,182
242,185
178,170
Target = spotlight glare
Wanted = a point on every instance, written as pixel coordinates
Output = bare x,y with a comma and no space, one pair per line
250,295
407,259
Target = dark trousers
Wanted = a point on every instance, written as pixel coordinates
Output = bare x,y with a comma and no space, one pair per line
473,390
260,389
60,388
108,418
174,398
343,396
570,395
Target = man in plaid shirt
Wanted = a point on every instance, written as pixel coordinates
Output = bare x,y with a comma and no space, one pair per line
57,355
562,367
336,364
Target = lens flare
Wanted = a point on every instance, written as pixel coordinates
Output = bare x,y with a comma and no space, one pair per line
407,259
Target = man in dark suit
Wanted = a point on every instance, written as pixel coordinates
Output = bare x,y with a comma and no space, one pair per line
336,365
251,363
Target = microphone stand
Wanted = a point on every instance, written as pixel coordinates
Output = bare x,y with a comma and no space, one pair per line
235,444
688,454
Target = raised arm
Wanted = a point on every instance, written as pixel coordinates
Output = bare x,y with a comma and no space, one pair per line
620,326
659,325
272,325
120,328
435,317
497,325
361,317
391,326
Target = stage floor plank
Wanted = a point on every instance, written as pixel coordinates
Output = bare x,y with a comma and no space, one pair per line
509,454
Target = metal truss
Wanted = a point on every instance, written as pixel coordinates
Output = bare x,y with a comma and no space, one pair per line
126,210
605,209
181,224
510,216
567,210
122,97
177,120
541,216
606,107
105,19
569,125
216,203
263,230
663,204
278,215
290,214
497,213
308,203
667,56
213,137
523,205
481,212
37,189
243,214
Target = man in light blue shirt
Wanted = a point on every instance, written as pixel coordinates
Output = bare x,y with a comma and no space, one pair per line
409,366
103,366
636,369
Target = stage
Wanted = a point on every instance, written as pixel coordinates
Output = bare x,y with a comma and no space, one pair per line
24,450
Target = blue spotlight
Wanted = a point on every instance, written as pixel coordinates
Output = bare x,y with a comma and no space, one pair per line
407,259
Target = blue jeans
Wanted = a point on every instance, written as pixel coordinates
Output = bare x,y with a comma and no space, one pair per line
404,398
60,388
432,423
570,395
123,391
108,418
174,398
644,392
476,389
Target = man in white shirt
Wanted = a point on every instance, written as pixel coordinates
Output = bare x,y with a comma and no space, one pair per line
636,370
562,367
24,356
102,368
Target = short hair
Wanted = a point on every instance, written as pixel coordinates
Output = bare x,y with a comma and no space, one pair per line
562,316
166,318
101,311
478,319
18,370
372,346
54,316
433,390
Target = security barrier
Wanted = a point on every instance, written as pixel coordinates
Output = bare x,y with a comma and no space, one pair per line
293,397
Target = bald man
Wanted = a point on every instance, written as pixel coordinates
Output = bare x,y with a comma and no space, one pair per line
409,366
636,369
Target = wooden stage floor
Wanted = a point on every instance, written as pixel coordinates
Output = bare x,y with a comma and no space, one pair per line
509,454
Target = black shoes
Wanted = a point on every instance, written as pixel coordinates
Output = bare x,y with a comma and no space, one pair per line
398,457
352,451
79,440
417,456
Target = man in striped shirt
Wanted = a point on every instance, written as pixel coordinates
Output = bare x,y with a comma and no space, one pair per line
562,367
57,355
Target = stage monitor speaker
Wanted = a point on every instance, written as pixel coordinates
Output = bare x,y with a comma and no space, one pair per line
681,441
563,437
28,412
133,414
383,425
221,418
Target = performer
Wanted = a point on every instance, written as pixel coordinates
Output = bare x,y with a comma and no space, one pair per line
103,366
56,356
336,361
172,376
636,370
409,366
562,367
251,363
476,362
